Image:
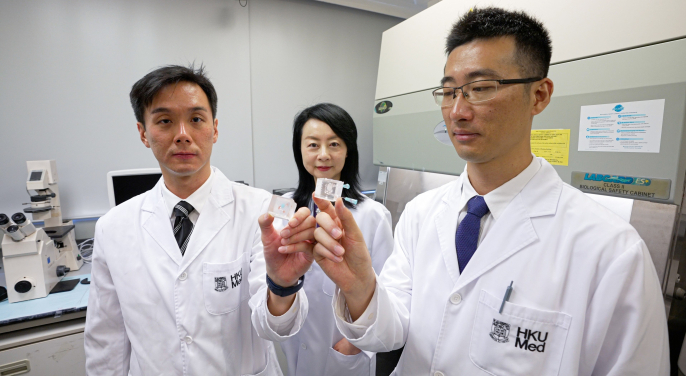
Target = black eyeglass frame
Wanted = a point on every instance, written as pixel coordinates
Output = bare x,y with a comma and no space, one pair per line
500,82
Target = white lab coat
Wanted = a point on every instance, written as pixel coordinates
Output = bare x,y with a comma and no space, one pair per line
153,312
586,294
310,351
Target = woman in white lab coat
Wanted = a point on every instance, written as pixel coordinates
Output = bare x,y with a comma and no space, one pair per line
325,146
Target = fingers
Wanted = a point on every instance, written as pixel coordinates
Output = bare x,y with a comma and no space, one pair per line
296,248
325,206
300,221
347,220
328,224
299,216
323,252
265,221
307,234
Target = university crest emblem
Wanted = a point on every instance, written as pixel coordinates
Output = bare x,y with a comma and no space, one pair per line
500,331
220,284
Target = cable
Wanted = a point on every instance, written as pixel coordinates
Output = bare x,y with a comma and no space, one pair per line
241,3
86,250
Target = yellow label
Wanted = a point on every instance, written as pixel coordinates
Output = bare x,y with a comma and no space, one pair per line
551,144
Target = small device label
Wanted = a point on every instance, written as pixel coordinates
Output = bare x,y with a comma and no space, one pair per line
623,186
383,107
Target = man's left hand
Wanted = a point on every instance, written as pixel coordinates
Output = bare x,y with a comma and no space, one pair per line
288,253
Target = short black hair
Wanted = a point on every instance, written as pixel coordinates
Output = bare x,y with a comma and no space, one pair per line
534,48
143,92
343,125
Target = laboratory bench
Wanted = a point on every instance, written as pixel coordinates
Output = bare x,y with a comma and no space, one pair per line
45,336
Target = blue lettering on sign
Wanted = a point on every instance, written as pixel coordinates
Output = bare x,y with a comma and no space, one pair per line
617,179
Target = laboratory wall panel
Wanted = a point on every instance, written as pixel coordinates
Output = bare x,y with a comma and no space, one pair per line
66,69
303,53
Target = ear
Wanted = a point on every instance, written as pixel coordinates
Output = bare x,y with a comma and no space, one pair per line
144,137
541,93
216,131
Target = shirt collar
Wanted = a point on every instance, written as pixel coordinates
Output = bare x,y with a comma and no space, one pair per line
498,199
197,199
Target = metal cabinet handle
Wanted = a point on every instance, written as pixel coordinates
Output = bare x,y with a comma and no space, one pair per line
15,368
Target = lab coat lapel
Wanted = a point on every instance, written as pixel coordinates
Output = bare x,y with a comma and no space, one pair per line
446,225
212,219
158,224
514,230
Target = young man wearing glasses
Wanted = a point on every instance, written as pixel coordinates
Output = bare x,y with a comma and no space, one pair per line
507,270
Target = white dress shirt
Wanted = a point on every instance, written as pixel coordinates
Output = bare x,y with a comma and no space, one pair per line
197,199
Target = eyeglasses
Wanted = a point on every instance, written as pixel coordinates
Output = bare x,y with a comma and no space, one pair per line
475,92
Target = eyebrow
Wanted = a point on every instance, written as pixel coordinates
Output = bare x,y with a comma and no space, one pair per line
199,108
485,73
317,138
164,109
159,109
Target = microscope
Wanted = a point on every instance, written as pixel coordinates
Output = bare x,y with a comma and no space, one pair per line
36,259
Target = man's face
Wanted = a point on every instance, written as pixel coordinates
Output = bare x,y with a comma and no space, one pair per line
496,129
179,129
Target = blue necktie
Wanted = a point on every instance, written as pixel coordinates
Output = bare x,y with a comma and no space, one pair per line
467,235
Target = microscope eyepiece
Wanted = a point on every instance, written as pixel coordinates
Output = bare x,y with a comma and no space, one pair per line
25,226
4,219
19,218
14,233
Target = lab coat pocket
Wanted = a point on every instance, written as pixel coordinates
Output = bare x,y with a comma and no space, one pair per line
271,368
338,364
520,341
224,286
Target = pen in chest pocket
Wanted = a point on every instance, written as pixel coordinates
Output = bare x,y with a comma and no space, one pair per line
508,291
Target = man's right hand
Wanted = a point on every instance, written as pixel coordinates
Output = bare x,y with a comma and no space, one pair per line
342,253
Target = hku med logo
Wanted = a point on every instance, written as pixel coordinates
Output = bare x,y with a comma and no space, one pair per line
237,278
531,340
527,339
221,284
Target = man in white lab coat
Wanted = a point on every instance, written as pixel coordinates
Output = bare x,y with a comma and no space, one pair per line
178,276
584,296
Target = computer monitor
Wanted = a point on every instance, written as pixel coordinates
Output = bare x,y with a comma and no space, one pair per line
125,184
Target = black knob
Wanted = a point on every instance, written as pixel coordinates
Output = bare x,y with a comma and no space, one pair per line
23,287
62,270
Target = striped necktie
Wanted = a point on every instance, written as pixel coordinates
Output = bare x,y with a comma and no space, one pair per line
467,235
183,227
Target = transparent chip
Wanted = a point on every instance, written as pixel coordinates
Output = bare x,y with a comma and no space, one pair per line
282,207
328,189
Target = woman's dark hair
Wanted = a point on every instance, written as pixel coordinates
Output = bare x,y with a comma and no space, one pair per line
344,127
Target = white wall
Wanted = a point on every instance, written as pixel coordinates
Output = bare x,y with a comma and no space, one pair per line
412,53
66,68
304,53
